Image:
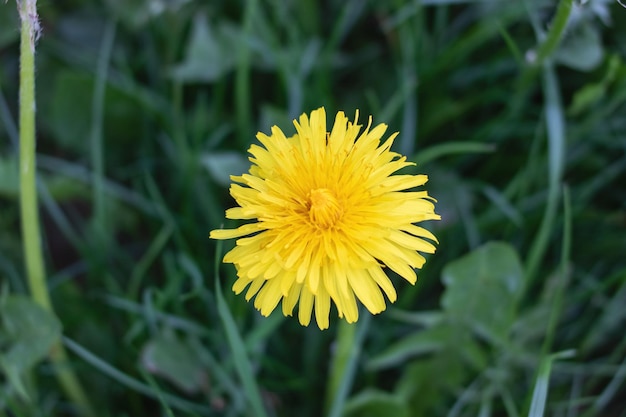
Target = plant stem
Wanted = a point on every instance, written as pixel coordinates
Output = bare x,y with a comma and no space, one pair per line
28,197
28,194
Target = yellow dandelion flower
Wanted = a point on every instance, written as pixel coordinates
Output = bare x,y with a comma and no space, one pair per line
327,217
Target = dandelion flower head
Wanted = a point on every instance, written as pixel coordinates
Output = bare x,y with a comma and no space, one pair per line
327,219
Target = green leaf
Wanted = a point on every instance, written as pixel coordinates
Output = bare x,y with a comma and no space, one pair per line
482,288
209,53
173,359
582,49
27,332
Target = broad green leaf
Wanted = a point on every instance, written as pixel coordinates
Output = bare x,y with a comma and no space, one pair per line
209,54
582,49
482,288
27,332
173,359
374,403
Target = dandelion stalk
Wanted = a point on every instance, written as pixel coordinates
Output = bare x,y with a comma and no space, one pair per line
28,195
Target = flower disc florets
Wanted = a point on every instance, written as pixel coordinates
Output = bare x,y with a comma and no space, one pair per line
327,217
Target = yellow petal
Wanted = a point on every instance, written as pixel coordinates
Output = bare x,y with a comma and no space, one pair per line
305,307
244,230
322,308
289,302
367,291
269,296
383,282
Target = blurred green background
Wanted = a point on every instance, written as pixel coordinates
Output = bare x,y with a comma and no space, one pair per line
146,106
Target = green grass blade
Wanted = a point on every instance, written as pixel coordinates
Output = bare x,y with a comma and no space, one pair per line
451,148
609,393
542,383
148,258
555,120
350,342
566,250
97,149
240,357
115,190
155,387
132,383
540,393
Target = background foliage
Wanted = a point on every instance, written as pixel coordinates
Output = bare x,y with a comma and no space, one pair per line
145,107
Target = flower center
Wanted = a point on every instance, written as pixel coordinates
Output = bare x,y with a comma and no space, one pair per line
324,209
